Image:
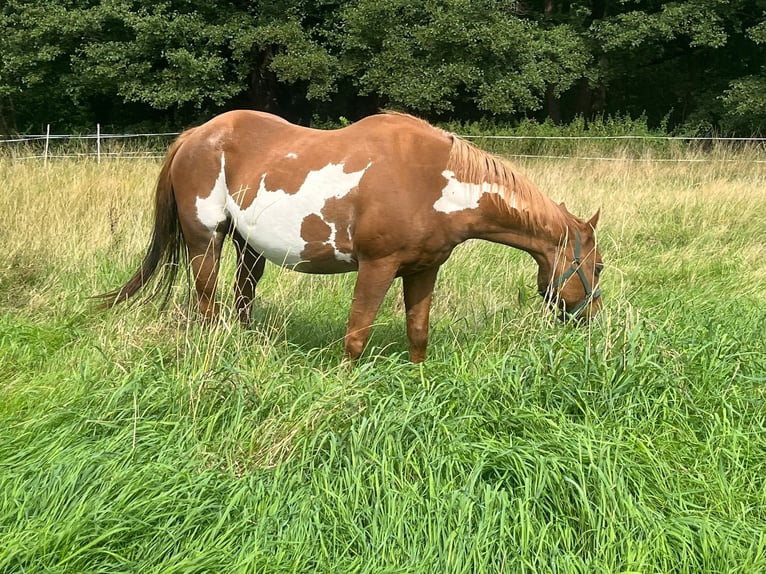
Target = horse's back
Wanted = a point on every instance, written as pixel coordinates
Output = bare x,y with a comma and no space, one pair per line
262,132
396,150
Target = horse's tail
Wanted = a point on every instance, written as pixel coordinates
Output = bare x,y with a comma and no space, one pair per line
165,250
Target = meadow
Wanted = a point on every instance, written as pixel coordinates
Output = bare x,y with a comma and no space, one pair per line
136,440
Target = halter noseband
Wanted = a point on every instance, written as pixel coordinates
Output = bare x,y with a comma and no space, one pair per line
575,267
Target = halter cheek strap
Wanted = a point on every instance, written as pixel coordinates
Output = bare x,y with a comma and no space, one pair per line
590,294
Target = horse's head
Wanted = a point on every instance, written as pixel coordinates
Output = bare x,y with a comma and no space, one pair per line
569,282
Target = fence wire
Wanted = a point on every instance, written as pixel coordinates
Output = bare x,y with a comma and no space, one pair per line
152,146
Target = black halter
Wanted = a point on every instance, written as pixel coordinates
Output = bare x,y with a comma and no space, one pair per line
576,267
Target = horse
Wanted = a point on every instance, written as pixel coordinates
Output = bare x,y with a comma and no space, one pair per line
388,196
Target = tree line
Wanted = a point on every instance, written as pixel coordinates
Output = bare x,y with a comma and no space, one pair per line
694,66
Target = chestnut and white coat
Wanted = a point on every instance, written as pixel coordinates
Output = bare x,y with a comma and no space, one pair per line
389,196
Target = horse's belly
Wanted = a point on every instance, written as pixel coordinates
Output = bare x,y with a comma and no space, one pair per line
294,230
290,242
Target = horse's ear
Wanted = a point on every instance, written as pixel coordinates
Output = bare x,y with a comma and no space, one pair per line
564,207
593,221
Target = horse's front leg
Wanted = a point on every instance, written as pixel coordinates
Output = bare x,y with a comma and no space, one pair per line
372,282
418,291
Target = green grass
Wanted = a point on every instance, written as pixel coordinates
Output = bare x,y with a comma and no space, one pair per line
139,441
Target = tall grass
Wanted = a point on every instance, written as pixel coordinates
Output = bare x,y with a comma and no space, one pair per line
140,441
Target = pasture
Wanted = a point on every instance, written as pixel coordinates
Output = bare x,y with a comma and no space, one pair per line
136,440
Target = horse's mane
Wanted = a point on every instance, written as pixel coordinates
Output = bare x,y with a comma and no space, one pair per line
516,194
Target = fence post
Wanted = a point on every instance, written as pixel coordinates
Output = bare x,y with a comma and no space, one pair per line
98,143
47,143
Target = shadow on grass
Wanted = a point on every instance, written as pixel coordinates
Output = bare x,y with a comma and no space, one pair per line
306,330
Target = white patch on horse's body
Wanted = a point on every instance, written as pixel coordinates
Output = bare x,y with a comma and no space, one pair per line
292,155
211,211
271,224
339,255
457,195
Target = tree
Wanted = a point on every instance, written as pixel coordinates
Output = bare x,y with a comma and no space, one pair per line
73,62
745,99
700,64
456,55
36,42
676,59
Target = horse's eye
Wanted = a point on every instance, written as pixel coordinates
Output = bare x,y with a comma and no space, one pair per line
599,267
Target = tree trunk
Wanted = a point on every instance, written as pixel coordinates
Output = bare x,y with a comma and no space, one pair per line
262,94
549,8
552,103
7,117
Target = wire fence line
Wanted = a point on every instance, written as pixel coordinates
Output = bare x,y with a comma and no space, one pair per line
105,136
625,137
635,159
37,138
60,146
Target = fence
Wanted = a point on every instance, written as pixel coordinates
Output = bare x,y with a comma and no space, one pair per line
619,147
98,145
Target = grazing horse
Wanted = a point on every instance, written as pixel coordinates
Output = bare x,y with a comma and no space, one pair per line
389,196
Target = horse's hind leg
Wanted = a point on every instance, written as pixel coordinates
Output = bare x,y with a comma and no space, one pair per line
205,257
250,266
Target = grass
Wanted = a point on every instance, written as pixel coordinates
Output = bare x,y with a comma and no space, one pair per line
137,441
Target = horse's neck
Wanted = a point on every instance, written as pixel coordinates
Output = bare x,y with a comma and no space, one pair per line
512,210
523,217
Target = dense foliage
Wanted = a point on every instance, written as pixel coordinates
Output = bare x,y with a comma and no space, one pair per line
698,65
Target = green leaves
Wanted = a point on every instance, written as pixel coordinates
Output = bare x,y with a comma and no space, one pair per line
698,21
432,57
78,62
296,56
745,101
159,56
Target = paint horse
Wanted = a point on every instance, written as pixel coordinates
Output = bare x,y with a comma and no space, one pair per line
389,196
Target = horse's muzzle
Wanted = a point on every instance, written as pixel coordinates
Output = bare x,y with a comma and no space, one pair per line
578,313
